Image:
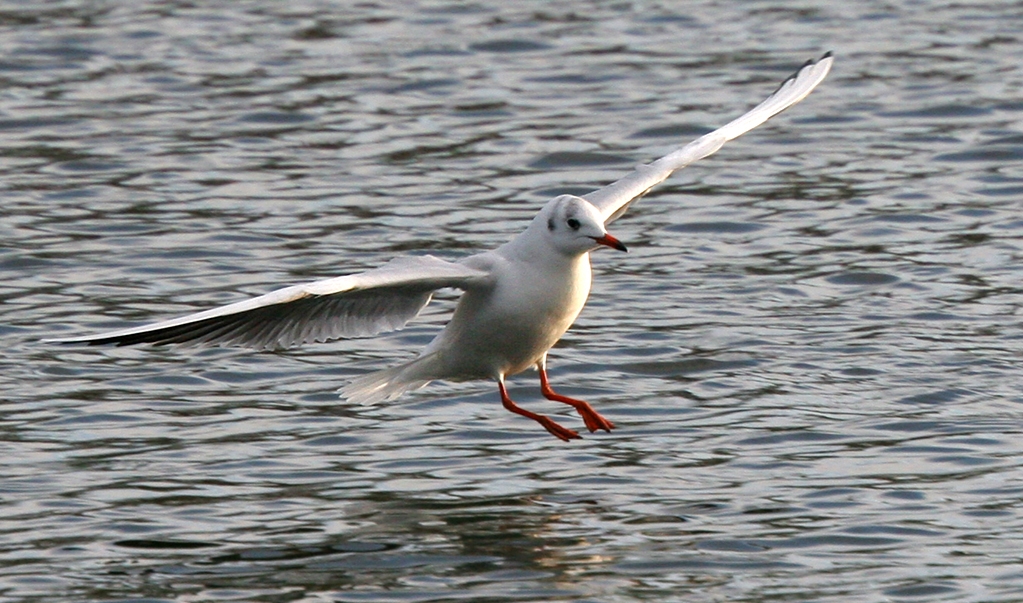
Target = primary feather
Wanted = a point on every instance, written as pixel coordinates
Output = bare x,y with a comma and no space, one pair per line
382,299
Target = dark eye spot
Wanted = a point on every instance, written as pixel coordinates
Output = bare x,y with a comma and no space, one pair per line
550,224
573,223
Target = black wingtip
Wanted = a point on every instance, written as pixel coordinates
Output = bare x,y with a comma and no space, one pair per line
809,62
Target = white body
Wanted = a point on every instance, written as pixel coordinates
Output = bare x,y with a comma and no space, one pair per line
535,287
506,328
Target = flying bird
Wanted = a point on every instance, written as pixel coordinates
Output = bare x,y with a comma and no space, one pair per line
517,300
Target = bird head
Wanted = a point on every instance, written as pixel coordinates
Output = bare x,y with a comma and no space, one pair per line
574,226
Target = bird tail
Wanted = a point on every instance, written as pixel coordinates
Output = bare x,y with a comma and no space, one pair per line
388,384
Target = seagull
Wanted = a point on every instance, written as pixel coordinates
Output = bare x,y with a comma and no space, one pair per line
516,303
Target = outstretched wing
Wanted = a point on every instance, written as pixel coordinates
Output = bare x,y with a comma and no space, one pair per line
370,302
615,198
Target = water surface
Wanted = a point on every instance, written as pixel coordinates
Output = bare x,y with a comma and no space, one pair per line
812,351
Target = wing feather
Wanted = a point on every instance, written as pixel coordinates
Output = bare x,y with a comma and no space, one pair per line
615,198
382,299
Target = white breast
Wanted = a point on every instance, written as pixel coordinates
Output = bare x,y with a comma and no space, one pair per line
506,329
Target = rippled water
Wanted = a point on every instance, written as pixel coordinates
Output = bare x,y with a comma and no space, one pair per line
812,352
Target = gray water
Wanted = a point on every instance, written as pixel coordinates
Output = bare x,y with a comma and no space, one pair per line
812,351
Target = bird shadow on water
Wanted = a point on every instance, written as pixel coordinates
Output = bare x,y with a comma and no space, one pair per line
420,546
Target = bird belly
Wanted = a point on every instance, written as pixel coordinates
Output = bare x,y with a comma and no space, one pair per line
507,329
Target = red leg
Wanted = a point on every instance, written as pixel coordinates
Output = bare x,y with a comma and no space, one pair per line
558,431
591,417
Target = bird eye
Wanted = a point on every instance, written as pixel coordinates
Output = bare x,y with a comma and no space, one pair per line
573,223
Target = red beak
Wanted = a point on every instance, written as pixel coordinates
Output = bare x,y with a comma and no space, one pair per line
611,242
